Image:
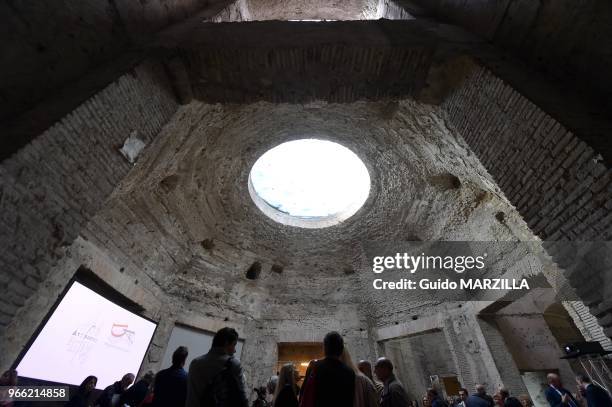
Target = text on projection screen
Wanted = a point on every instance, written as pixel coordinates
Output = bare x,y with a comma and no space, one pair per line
87,335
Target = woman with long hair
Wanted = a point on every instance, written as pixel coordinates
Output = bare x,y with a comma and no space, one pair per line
285,394
82,395
365,392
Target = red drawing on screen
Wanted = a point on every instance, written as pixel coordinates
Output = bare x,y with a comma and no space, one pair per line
121,335
119,332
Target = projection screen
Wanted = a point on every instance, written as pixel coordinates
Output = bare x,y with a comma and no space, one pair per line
87,335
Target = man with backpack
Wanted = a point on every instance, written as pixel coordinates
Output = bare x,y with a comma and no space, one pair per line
216,379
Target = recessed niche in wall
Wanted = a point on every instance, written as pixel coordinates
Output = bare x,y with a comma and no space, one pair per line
309,183
253,271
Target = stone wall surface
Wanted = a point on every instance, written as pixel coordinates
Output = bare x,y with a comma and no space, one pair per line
392,10
312,10
472,350
181,225
183,216
557,182
199,231
190,188
416,359
298,62
53,186
177,231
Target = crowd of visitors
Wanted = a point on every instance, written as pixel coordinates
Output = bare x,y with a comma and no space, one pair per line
216,380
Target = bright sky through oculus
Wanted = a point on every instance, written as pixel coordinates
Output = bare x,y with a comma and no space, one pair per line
311,178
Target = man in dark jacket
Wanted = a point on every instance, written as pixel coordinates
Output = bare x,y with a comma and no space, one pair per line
216,379
556,395
170,388
480,398
434,399
595,395
112,393
463,396
334,381
508,400
393,394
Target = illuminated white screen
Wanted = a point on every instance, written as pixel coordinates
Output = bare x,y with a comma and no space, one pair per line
87,335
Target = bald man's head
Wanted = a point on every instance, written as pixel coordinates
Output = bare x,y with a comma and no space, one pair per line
383,369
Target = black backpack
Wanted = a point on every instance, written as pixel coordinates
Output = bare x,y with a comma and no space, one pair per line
223,390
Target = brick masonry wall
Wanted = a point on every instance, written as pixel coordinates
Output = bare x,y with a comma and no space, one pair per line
503,359
311,9
471,355
556,181
590,329
50,188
